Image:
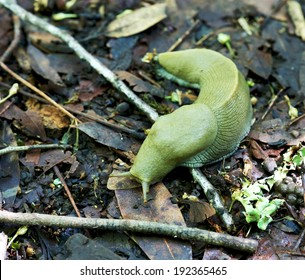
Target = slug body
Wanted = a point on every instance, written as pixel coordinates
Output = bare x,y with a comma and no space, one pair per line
202,133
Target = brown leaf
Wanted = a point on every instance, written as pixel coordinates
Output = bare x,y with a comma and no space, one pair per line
258,62
41,65
159,209
199,211
87,90
136,21
279,129
109,137
121,183
49,159
138,84
29,121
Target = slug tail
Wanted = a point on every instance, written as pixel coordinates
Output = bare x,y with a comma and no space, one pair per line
145,189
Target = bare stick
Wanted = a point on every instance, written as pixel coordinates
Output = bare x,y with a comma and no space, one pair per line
12,149
184,35
181,232
82,54
62,180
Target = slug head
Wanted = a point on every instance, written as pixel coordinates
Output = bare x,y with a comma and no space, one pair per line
172,140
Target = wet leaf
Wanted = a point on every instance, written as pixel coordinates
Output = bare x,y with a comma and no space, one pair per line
136,21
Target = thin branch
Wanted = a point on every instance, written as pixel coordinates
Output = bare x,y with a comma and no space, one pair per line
82,54
185,233
63,182
12,149
184,35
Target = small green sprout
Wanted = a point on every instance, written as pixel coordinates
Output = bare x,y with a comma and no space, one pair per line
293,112
63,16
21,231
225,39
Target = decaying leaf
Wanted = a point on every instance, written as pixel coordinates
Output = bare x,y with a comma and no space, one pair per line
159,209
136,21
51,116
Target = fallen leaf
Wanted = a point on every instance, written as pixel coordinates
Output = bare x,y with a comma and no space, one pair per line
258,62
121,183
41,65
30,122
199,211
109,137
136,21
159,209
138,85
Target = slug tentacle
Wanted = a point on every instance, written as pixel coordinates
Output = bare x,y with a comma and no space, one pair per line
201,133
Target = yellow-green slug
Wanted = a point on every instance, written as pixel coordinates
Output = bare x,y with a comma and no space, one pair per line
202,133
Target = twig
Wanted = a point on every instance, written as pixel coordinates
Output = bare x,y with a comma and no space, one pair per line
214,198
299,241
181,232
296,120
62,180
15,41
184,35
35,89
82,54
12,149
271,104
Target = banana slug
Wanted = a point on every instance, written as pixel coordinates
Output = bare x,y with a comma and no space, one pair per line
202,133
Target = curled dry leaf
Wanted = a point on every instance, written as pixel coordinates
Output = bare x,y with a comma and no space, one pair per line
136,21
